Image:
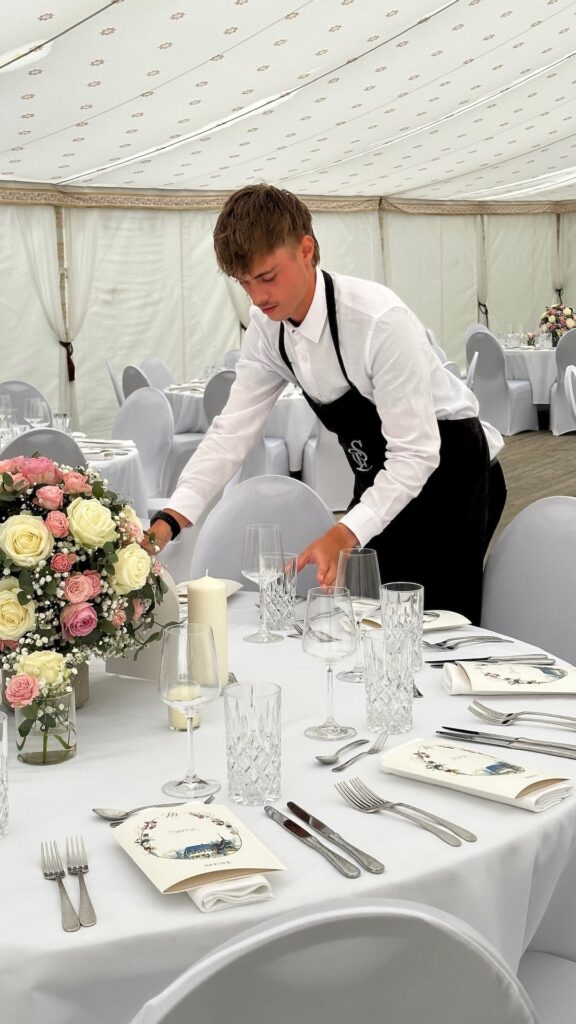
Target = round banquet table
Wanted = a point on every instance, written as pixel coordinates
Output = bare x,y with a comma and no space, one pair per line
290,418
502,885
538,365
125,475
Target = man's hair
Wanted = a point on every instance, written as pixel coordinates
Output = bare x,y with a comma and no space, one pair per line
256,220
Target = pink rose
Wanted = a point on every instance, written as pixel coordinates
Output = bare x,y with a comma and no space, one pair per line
95,580
62,562
138,609
76,483
19,482
157,567
22,690
39,470
49,497
57,523
8,645
11,465
133,531
119,618
77,589
77,620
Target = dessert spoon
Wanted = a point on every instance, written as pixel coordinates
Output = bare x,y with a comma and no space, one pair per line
114,814
332,758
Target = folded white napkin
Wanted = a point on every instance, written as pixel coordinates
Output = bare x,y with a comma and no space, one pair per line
231,892
433,619
508,677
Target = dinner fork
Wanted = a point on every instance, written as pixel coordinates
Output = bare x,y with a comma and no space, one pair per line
319,634
508,717
453,643
374,749
53,869
364,799
78,865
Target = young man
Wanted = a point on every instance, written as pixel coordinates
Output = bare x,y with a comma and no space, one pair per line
425,494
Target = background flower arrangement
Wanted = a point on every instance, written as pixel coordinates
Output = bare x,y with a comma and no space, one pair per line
74,580
557,320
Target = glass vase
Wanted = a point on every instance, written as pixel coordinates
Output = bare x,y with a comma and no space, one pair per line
46,730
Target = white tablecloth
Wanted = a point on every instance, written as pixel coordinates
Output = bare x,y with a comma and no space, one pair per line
125,475
533,364
502,884
291,418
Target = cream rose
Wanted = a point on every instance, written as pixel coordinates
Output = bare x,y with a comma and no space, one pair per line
131,570
91,523
26,540
47,666
15,618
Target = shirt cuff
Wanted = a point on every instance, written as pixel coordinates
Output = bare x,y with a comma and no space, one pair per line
363,523
186,503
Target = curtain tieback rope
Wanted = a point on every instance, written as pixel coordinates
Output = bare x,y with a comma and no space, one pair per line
69,360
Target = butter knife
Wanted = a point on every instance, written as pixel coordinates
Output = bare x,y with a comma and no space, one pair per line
514,742
345,867
364,859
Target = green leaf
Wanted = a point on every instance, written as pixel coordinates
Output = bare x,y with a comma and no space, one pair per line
52,587
25,581
7,479
106,627
25,726
23,597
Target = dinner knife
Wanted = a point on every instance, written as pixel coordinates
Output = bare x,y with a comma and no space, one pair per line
364,859
521,659
514,742
345,867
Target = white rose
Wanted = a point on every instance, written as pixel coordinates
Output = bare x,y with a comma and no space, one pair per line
91,523
15,618
26,540
131,570
569,323
47,666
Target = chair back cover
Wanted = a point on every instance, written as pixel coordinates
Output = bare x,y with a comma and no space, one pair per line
529,590
375,962
19,391
216,393
562,418
231,358
116,382
158,372
54,444
570,387
300,513
132,379
453,368
146,418
471,374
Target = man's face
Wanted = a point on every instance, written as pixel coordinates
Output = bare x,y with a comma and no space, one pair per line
282,284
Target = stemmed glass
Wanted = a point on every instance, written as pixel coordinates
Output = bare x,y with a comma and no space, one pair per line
262,563
36,412
358,570
188,680
329,634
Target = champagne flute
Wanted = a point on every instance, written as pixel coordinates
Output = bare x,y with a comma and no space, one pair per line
262,562
329,634
188,680
358,570
36,412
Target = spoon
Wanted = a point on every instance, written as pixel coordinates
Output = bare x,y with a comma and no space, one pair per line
114,814
332,758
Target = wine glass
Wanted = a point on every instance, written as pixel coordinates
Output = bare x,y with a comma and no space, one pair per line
188,680
262,563
329,633
358,570
36,412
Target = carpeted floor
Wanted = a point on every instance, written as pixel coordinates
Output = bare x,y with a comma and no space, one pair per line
535,465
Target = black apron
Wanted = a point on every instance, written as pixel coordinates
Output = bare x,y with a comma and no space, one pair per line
440,538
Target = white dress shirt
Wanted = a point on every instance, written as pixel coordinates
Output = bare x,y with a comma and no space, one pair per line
388,359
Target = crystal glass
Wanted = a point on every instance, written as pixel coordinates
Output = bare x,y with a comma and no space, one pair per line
358,570
329,634
262,563
399,612
36,412
388,693
280,594
252,716
61,421
3,774
189,680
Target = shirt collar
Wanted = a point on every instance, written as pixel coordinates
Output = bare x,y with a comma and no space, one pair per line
315,319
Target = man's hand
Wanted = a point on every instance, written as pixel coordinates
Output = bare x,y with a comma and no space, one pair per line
324,553
159,534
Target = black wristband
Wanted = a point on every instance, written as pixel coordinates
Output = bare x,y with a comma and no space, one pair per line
169,520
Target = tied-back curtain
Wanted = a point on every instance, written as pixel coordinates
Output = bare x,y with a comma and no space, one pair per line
481,275
520,254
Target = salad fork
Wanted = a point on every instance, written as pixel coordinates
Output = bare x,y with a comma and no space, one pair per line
53,869
374,749
360,796
453,643
495,717
78,865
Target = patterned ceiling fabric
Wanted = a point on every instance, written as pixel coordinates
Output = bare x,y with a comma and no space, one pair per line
461,100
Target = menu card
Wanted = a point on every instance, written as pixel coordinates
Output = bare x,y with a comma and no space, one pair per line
191,844
508,677
476,772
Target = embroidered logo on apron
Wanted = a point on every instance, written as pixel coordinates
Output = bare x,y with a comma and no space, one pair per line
359,457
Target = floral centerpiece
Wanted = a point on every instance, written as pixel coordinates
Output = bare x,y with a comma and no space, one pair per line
74,582
557,320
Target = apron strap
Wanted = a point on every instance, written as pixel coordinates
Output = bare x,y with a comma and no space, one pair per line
332,322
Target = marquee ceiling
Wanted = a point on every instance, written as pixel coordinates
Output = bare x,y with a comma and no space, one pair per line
467,99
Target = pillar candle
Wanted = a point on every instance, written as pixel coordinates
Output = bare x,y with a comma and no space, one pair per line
207,603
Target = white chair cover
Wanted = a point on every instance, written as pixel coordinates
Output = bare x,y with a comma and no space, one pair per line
268,454
528,590
159,374
116,383
146,418
505,403
453,368
19,391
562,417
132,379
300,513
216,393
325,469
550,981
471,374
379,962
570,387
231,358
54,444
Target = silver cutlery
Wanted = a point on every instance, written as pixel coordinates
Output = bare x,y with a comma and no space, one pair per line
319,634
495,717
332,758
345,867
453,643
360,796
52,868
374,749
77,863
512,742
115,815
364,859
521,659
